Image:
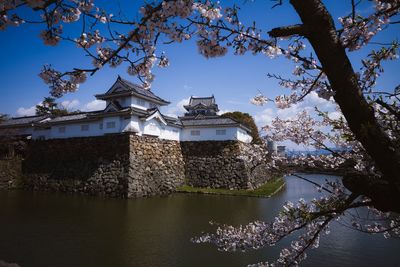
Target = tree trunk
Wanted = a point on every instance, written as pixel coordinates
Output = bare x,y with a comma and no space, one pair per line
322,35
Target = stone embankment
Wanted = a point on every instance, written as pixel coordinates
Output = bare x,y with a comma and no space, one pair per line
114,165
10,173
156,166
11,154
126,165
225,164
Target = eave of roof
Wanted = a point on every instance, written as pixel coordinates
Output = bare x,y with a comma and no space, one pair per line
150,96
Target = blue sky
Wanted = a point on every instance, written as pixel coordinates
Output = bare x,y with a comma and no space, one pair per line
232,79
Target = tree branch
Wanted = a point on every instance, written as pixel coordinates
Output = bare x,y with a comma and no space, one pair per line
344,82
389,108
298,29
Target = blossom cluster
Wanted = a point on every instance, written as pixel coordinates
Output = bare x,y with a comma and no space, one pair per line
372,66
86,40
60,85
259,100
314,216
358,31
218,30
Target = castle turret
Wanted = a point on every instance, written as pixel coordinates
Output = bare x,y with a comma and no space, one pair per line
201,106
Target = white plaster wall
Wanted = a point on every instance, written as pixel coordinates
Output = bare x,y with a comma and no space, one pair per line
119,124
74,130
243,136
170,133
152,127
134,124
133,102
232,133
209,134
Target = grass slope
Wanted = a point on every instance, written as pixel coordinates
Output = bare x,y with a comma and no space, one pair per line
266,190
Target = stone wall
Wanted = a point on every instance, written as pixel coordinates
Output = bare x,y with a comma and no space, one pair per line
12,151
126,165
224,164
10,173
90,165
156,168
119,165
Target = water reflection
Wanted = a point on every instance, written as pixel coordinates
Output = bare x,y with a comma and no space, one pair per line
59,230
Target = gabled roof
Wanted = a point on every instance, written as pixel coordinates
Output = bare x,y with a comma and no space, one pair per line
122,87
206,101
201,103
155,114
113,106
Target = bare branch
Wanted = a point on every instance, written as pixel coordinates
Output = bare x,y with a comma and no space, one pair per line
298,29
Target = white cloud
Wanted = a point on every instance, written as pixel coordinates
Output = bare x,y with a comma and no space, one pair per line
70,105
94,105
310,101
178,109
335,115
21,112
264,117
223,111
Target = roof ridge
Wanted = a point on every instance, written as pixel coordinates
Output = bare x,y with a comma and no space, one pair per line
26,117
197,97
130,83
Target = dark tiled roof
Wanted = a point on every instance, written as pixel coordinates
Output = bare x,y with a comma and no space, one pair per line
141,112
199,116
21,121
135,88
116,104
72,117
209,121
172,120
206,101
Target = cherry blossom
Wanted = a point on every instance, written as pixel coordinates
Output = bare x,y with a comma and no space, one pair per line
216,30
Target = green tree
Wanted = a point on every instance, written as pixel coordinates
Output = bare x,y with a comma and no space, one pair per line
50,106
247,120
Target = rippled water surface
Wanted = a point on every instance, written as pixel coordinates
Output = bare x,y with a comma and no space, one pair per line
38,229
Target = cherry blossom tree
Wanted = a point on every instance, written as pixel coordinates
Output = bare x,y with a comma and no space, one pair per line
367,133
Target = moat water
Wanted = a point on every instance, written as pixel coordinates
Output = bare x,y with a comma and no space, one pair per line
39,229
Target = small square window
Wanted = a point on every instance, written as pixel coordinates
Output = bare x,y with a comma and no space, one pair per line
101,126
61,129
141,102
110,124
221,132
84,127
195,132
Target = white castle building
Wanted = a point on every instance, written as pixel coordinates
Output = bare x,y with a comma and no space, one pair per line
131,108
